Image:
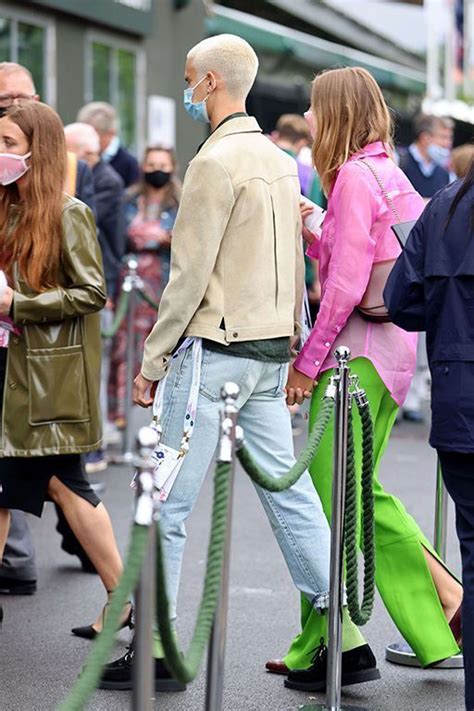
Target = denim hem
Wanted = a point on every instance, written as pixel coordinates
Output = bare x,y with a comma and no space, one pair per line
320,602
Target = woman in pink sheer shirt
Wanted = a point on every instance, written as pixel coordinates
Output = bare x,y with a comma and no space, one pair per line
352,155
357,207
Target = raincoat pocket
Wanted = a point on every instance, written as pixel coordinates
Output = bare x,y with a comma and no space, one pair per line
56,378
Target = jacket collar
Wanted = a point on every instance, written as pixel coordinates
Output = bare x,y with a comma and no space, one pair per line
244,124
378,148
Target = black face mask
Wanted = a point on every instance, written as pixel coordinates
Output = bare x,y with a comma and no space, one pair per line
157,178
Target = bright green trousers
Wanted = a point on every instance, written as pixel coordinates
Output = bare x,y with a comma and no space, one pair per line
402,575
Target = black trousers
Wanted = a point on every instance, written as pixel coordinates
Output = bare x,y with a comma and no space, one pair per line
458,475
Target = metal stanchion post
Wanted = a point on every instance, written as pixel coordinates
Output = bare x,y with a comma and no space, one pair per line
216,653
341,418
127,454
131,284
340,383
143,668
401,652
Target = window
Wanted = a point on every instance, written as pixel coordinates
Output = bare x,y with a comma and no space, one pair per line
25,42
114,79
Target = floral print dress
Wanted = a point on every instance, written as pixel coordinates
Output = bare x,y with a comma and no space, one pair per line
149,237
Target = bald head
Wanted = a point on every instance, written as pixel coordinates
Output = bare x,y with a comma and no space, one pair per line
83,140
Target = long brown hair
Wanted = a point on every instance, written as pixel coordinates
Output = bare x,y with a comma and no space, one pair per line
35,241
349,113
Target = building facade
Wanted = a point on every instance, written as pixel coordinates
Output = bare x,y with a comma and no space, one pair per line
130,53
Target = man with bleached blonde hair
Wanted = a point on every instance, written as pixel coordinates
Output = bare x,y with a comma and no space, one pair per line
236,285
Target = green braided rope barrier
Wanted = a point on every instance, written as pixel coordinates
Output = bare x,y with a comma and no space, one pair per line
119,316
360,613
143,295
186,668
103,646
270,483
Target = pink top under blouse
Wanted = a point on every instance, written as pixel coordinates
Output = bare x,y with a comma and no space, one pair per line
356,233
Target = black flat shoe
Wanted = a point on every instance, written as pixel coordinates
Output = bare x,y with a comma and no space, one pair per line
118,675
358,666
89,632
11,586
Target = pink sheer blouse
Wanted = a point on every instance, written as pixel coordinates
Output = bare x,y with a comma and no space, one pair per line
356,234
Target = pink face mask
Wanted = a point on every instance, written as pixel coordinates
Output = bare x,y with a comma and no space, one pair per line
310,121
12,167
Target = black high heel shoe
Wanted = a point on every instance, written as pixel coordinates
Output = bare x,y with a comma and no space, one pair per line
89,632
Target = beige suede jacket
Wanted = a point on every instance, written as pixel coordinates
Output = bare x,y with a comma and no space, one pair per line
237,266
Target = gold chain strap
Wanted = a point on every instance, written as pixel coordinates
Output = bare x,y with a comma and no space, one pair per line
383,189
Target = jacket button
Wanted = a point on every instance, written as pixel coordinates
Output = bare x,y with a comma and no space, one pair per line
235,335
316,362
12,385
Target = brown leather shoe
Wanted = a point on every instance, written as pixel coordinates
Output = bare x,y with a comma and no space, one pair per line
277,666
455,624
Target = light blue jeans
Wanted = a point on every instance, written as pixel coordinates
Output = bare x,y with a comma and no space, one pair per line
296,515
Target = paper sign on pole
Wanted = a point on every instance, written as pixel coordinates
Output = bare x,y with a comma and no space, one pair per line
161,121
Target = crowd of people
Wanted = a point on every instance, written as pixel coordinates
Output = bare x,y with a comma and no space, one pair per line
223,256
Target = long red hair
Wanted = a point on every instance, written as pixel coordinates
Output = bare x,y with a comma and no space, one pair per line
34,240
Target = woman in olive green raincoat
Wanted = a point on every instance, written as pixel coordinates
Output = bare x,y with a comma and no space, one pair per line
49,339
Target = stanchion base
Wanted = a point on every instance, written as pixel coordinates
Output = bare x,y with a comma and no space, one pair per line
401,653
319,707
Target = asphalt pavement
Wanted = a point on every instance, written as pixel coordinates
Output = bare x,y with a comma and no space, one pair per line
40,659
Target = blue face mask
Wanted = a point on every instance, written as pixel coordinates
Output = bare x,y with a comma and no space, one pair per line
197,111
438,154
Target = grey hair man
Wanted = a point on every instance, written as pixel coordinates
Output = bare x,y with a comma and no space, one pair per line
236,284
16,85
103,117
426,165
426,162
83,140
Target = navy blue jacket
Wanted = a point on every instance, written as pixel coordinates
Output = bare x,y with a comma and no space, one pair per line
126,165
431,288
85,185
426,186
108,187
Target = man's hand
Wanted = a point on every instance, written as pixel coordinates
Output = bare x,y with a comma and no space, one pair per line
6,301
140,388
298,387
